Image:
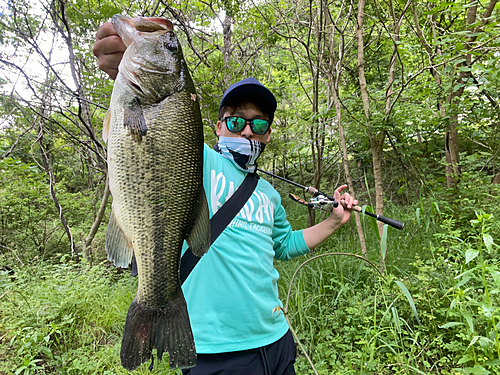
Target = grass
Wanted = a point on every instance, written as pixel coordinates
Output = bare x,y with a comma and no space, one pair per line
437,312
65,319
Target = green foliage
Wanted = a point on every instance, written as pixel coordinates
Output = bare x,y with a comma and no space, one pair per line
65,318
474,312
438,312
29,223
25,210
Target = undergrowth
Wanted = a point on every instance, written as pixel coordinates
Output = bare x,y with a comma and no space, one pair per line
436,312
65,318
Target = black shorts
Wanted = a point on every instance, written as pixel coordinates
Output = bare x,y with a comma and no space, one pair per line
273,359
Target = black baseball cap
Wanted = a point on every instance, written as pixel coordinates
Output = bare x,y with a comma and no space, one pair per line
250,90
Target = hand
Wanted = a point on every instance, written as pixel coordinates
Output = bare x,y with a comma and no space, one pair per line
342,213
315,235
109,49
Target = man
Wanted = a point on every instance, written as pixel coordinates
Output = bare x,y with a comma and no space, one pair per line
232,292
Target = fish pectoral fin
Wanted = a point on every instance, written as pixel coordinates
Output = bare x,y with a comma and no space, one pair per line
105,126
199,237
118,246
133,120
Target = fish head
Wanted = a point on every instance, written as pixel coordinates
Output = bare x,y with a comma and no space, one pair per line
153,64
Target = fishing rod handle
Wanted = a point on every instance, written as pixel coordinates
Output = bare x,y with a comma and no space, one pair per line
393,223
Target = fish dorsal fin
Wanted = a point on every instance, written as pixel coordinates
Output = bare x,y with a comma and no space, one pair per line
199,237
105,126
118,246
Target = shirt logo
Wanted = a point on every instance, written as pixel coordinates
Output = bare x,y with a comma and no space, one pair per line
258,208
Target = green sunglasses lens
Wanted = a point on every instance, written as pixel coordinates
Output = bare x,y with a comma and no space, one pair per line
260,126
235,124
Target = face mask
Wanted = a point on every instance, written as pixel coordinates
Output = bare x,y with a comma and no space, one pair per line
243,152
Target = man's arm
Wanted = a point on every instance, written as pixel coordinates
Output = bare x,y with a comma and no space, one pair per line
318,233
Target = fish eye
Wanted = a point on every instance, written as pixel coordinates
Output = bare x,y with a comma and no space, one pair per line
171,46
170,42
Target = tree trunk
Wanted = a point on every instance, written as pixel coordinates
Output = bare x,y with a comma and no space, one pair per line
50,177
334,71
376,142
226,52
317,133
452,153
345,163
496,179
361,60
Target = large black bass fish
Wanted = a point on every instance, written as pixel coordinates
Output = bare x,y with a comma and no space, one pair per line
155,161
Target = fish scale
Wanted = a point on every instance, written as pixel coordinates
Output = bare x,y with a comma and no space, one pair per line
155,163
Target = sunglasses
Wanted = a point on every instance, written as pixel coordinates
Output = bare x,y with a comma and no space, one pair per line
236,124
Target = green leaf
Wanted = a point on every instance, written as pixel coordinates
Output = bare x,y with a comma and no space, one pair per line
395,319
477,370
20,369
465,273
436,207
488,310
473,341
46,351
485,342
470,255
466,358
417,370
373,221
458,86
383,242
462,282
488,241
107,10
470,324
409,298
451,324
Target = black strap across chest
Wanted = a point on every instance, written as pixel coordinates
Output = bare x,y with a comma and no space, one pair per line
220,220
218,223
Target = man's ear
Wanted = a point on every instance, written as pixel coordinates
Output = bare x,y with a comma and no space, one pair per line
268,135
219,128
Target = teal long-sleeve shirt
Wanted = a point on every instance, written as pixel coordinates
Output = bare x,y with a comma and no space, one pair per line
232,291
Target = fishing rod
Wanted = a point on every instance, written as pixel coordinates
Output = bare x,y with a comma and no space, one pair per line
326,202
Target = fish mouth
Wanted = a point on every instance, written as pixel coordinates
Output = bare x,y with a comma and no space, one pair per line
143,26
152,24
147,24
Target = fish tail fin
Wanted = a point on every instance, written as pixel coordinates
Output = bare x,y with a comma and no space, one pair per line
174,334
166,330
